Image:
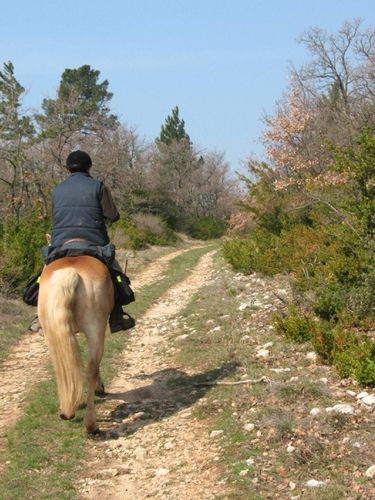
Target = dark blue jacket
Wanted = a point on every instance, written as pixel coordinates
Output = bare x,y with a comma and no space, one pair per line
77,212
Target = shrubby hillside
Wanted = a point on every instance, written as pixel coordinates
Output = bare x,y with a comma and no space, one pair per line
310,209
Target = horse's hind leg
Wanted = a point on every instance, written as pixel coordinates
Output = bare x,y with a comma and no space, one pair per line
96,346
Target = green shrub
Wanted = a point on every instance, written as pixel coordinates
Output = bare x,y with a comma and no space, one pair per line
330,300
361,296
20,251
249,254
126,232
205,228
240,254
294,250
140,230
137,238
156,231
323,339
364,372
357,361
345,363
295,326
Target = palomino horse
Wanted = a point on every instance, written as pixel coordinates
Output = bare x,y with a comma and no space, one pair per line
75,295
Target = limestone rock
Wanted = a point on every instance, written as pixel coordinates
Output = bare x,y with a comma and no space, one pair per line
342,408
314,483
370,472
249,427
216,434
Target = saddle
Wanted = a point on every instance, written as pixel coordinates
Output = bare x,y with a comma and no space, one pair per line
78,246
73,248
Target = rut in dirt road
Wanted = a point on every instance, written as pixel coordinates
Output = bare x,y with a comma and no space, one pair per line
27,362
151,446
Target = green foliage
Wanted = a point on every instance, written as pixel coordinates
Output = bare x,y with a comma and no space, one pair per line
328,247
264,201
155,229
240,254
20,250
361,295
94,96
364,371
141,230
205,228
12,125
81,105
357,162
249,254
293,249
353,355
324,340
330,300
357,360
173,129
294,326
131,236
266,252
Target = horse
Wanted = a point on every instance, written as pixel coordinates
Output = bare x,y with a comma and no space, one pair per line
76,294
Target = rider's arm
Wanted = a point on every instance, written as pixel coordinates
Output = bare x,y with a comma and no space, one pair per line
110,211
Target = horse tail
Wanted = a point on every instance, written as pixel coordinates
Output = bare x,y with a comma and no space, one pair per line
60,332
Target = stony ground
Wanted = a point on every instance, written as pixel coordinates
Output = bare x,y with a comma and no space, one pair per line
209,402
156,449
301,433
26,363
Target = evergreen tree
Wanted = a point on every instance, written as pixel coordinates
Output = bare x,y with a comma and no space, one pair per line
16,134
93,96
81,105
173,129
13,126
174,166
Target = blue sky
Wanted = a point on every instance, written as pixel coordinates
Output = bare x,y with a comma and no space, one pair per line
223,62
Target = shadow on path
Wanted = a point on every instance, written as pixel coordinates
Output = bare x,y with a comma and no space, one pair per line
171,391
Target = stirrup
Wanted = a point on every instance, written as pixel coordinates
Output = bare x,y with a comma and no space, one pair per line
122,323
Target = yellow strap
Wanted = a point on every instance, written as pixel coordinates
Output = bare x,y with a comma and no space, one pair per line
38,280
119,279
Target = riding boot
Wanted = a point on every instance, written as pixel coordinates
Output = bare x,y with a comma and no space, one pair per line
118,322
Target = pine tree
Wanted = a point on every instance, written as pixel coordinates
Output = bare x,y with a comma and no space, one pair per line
16,134
93,96
173,130
81,105
13,126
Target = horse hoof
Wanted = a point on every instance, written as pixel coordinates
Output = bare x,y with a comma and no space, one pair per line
64,417
94,431
100,391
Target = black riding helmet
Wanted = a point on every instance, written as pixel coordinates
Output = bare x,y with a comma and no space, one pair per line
78,160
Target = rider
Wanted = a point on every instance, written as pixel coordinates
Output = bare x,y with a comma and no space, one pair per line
81,207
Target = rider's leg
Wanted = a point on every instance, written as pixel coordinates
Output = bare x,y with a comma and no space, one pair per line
119,319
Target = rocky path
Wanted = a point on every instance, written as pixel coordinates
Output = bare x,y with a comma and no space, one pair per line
152,446
304,434
26,364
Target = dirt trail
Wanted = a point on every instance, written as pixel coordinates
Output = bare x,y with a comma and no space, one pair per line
152,446
26,363
24,366
155,271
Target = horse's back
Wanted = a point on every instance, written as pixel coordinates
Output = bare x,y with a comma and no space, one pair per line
87,267
93,294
